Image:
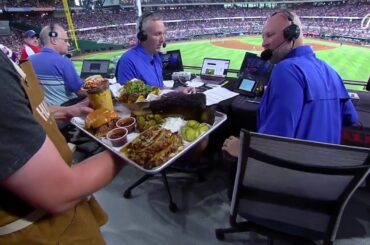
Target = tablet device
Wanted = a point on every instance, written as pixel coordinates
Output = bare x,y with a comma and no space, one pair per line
247,87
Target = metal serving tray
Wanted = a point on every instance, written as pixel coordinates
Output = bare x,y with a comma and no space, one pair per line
79,123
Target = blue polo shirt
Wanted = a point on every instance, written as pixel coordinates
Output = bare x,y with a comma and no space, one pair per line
305,99
137,63
57,76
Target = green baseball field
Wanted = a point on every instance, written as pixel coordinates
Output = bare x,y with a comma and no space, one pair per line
351,62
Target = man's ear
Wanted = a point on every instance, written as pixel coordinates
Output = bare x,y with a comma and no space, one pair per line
53,40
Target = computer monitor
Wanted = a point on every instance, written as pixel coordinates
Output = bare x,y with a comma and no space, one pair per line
172,62
253,67
95,67
253,75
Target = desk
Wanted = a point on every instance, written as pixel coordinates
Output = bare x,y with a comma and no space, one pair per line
363,108
243,114
359,135
240,104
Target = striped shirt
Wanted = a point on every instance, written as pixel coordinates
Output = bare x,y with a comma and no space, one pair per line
57,76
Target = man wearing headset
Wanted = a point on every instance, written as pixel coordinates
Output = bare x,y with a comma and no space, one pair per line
56,73
143,61
305,97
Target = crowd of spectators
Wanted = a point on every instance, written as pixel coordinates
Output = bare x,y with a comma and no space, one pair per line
222,1
86,19
190,29
117,26
13,41
53,3
27,3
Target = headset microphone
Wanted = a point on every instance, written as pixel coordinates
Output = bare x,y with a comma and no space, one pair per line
267,53
164,45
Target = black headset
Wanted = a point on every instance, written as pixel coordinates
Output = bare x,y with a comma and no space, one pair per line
291,32
141,35
52,32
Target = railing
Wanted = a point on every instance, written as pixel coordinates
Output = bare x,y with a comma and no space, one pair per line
235,73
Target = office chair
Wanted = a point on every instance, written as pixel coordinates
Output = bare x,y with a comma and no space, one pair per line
293,190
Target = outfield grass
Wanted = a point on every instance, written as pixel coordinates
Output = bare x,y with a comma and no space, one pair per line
351,62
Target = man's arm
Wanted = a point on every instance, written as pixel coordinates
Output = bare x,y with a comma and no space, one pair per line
63,114
48,183
125,71
71,79
31,167
350,116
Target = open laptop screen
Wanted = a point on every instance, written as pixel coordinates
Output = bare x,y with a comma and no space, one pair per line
215,67
172,62
95,67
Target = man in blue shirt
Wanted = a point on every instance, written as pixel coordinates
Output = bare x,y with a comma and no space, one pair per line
305,97
56,73
143,61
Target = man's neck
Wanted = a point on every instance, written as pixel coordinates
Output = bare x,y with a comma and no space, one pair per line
51,48
147,51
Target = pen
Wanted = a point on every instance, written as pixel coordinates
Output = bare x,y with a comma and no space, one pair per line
224,83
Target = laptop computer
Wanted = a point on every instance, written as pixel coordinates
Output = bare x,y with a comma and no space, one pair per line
214,71
172,62
95,67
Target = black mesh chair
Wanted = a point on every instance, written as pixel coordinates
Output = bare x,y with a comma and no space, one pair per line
293,190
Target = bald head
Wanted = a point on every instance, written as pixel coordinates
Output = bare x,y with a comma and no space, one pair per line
281,33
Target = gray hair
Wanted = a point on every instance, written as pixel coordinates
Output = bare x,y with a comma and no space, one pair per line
142,22
44,34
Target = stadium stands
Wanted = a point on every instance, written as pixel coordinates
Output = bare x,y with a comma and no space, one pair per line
117,26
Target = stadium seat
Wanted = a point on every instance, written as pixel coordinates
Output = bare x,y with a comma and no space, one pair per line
293,190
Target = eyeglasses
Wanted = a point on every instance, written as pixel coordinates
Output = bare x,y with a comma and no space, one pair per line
66,40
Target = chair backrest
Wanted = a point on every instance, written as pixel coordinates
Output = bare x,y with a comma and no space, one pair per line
296,183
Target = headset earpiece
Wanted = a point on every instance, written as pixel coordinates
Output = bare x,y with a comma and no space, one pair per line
141,35
52,32
291,32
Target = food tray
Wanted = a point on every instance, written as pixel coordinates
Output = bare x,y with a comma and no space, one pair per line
79,123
